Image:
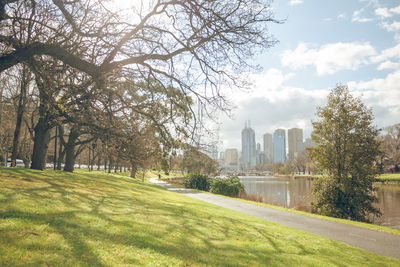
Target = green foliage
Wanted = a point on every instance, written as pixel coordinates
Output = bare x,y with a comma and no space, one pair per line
197,181
346,149
194,161
227,187
165,166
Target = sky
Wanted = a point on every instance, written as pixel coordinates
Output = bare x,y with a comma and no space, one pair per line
321,44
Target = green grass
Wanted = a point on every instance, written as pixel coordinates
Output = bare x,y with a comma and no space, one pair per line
390,176
385,176
95,219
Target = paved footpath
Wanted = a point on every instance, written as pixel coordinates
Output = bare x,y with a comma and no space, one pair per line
378,242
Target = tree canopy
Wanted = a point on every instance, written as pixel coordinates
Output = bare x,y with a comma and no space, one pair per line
346,148
94,58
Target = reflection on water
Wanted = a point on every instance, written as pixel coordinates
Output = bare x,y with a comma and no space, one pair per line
296,193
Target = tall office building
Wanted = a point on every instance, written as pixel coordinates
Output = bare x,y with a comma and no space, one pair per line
295,141
268,148
248,147
231,156
279,146
260,157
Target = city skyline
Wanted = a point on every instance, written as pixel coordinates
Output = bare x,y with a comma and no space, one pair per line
354,43
262,140
280,146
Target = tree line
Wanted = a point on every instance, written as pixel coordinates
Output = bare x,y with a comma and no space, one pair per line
130,84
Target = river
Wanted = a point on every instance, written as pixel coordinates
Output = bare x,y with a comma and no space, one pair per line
296,193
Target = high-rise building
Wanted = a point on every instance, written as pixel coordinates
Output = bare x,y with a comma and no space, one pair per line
259,155
268,148
295,141
212,152
279,146
248,147
231,157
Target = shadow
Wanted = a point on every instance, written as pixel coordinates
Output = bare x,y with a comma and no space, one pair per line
101,220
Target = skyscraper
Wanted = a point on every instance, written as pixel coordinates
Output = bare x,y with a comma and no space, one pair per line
231,156
248,147
268,148
279,146
295,138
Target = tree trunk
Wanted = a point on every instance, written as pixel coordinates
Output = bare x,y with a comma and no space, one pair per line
110,163
98,162
61,151
41,143
1,119
70,151
20,114
133,170
61,155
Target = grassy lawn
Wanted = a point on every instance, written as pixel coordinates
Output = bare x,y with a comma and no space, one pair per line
385,176
95,219
390,176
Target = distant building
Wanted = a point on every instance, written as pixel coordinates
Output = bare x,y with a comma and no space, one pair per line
213,152
260,157
248,147
295,141
231,156
268,149
279,146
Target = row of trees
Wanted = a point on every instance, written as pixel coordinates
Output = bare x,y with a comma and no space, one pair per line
134,83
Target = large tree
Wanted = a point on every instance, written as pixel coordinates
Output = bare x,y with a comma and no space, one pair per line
346,147
391,147
189,45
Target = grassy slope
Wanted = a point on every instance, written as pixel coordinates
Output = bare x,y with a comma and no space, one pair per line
390,176
93,219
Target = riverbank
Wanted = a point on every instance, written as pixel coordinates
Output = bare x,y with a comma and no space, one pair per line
96,219
386,177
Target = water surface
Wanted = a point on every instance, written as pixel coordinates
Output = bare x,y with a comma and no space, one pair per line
296,193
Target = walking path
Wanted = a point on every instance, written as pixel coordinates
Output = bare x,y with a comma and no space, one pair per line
374,241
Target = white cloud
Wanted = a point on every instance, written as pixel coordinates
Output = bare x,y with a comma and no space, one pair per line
389,65
295,2
391,27
383,12
357,17
390,53
267,81
330,58
274,105
387,12
383,95
341,16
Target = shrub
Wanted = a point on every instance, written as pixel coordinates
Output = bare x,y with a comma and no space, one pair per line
197,181
227,187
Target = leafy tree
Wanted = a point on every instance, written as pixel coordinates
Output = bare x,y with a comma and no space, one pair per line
391,147
194,161
346,149
181,44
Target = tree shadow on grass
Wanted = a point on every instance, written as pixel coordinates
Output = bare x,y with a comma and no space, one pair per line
131,215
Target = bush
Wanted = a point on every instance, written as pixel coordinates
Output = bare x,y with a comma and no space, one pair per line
228,187
197,181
